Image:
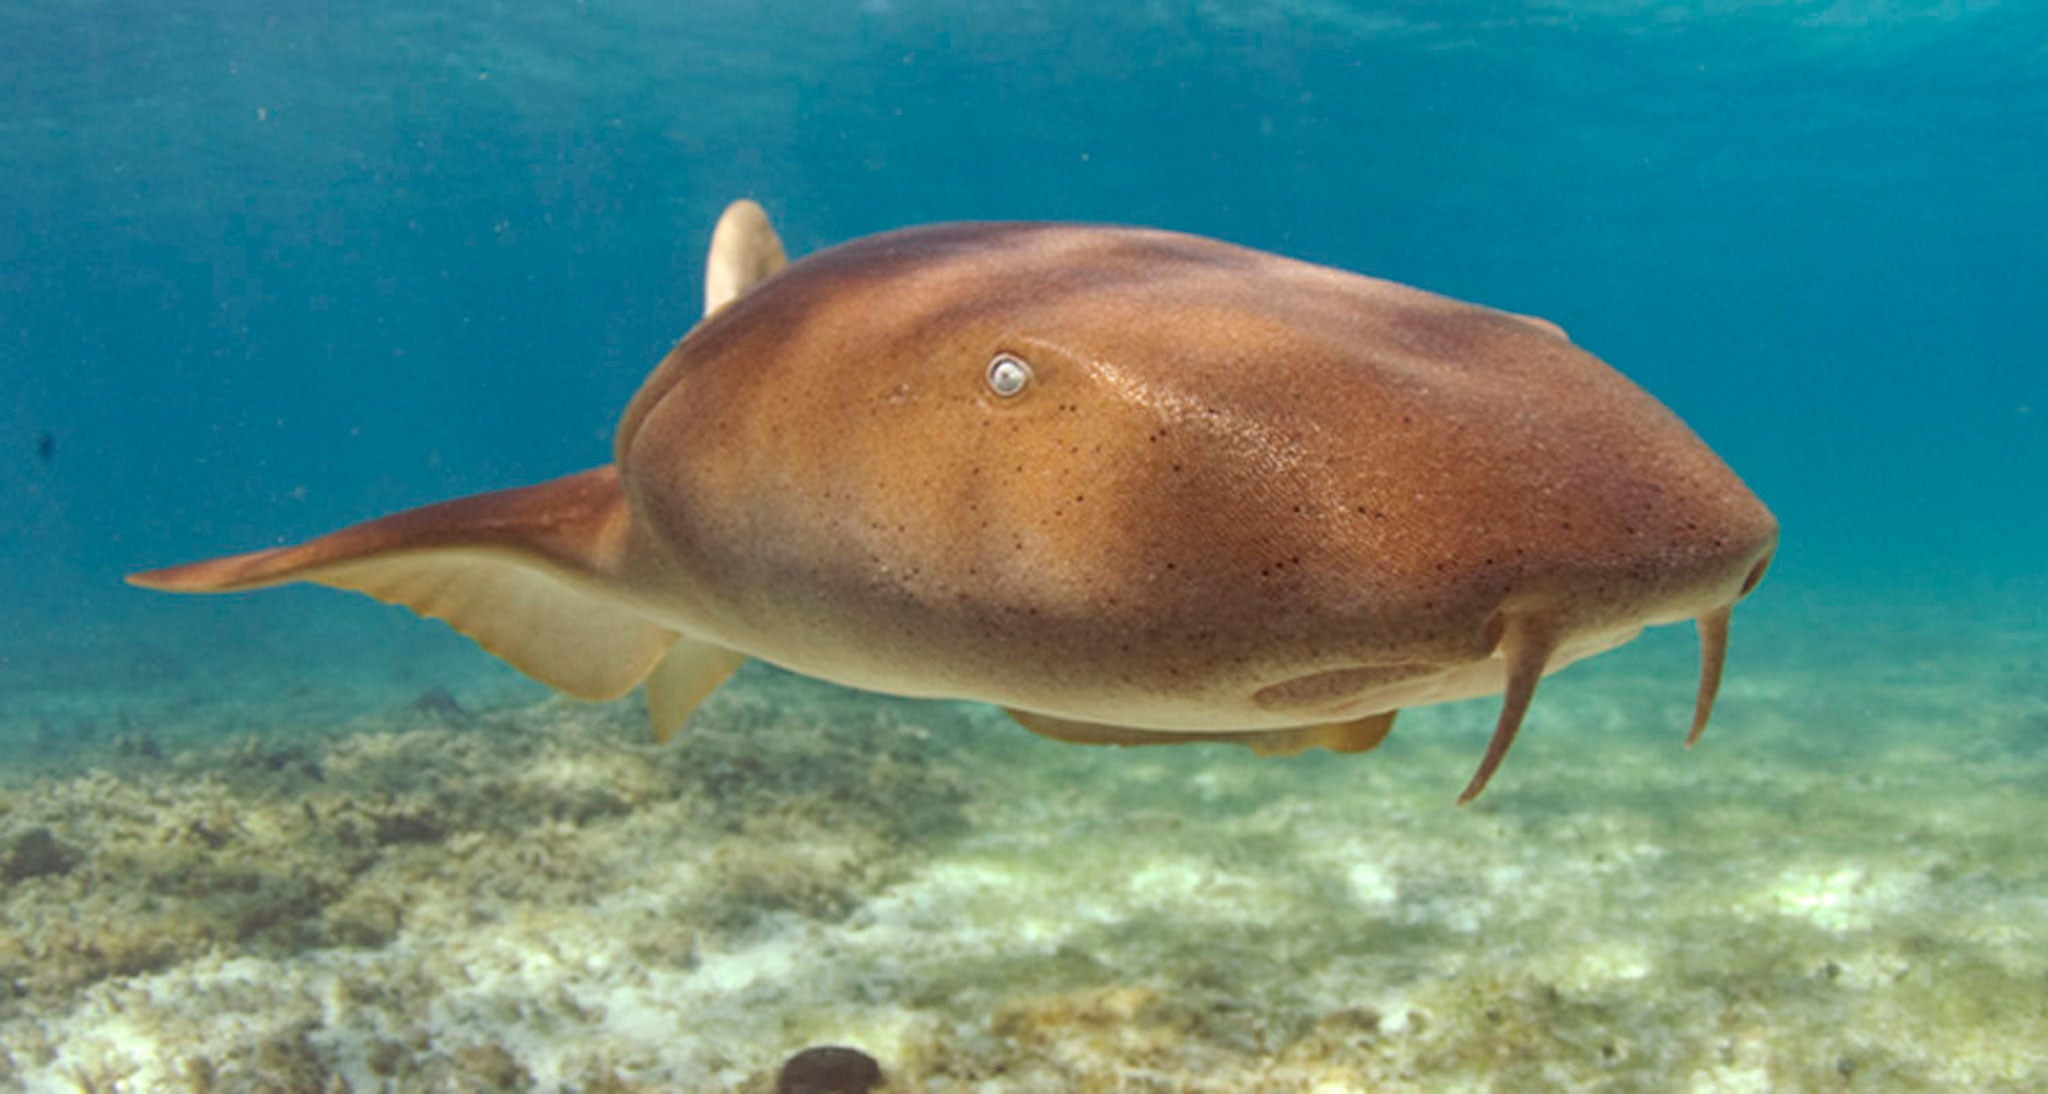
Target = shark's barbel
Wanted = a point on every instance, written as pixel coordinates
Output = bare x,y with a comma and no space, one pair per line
1135,486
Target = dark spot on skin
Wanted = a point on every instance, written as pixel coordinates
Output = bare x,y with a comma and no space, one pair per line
829,1069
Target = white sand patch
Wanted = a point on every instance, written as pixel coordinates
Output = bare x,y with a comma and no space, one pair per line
1849,898
1596,968
143,1031
1373,887
1870,970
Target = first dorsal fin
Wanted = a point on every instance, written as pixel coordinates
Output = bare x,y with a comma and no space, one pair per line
744,251
523,572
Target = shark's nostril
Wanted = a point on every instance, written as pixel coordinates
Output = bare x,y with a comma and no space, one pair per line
1756,575
1496,627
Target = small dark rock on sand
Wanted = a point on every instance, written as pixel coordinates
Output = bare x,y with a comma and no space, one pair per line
829,1069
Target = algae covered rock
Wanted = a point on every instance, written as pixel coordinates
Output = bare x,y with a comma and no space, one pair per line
34,852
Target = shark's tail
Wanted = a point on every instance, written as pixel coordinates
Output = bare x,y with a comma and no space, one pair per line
533,575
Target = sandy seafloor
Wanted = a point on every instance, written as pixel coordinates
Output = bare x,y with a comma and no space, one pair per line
218,880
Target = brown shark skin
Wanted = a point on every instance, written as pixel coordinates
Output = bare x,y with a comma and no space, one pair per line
1239,493
1230,471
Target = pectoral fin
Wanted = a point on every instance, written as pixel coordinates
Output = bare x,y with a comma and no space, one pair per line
1360,735
530,574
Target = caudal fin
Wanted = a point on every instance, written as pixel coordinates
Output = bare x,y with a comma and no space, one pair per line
523,572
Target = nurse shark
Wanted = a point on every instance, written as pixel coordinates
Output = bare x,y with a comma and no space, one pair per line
1134,486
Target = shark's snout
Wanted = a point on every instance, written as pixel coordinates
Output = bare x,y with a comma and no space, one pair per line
1702,583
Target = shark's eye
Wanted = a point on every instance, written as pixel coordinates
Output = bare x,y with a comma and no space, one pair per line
1007,375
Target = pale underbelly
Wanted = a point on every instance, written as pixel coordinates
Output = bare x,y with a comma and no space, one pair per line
1275,698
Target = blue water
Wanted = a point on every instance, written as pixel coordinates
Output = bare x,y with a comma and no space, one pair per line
267,272
269,269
